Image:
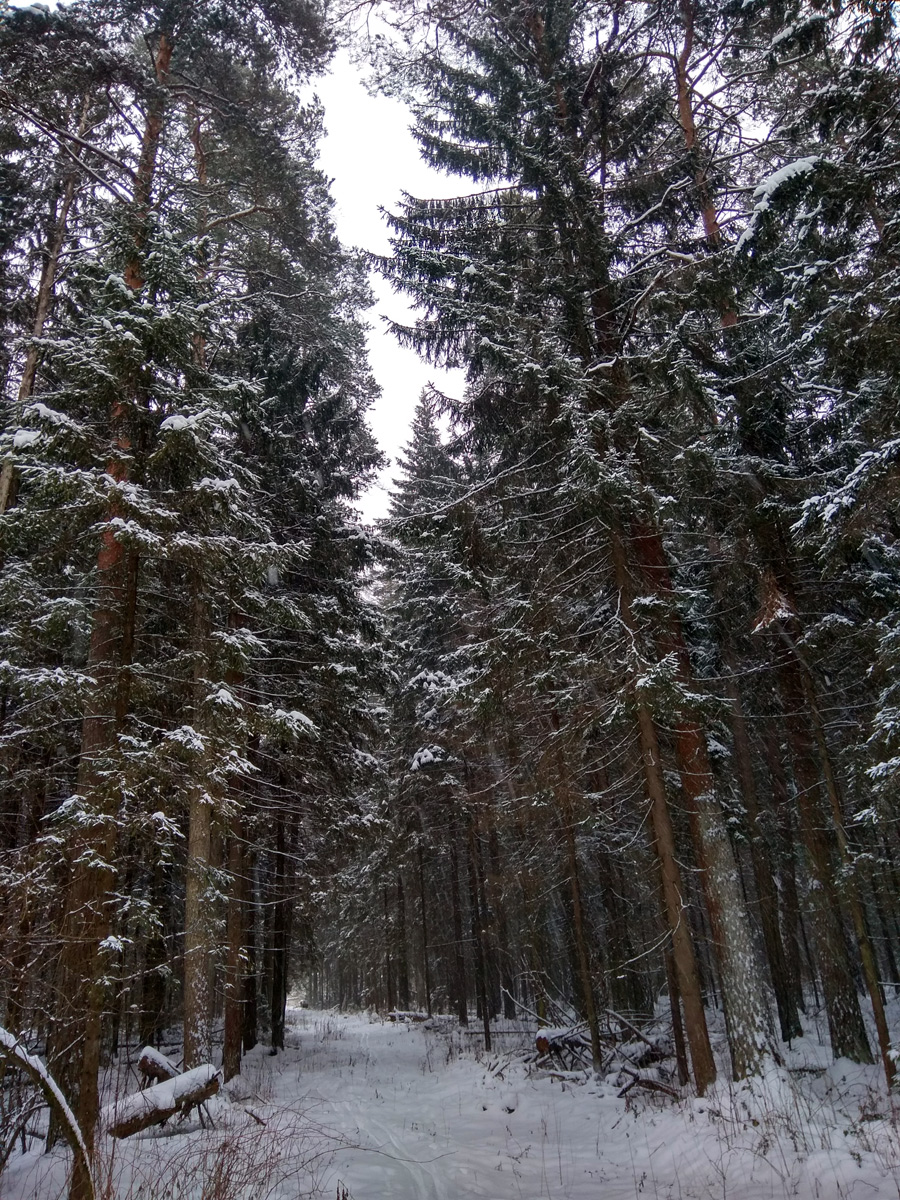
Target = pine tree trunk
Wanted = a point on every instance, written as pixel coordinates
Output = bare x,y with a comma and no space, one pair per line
740,974
198,946
76,1037
789,1018
579,933
488,923
281,933
589,1004
478,938
851,881
234,965
502,925
197,1033
461,995
845,1023
426,974
687,973
388,972
790,902
681,1061
250,1023
403,990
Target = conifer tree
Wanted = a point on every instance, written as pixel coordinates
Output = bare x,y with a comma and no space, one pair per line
182,562
544,379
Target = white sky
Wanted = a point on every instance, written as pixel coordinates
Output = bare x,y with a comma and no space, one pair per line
372,157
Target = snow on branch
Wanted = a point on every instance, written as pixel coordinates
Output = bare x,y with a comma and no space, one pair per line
156,1104
13,1051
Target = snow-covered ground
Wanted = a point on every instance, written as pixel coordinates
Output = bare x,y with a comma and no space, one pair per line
360,1109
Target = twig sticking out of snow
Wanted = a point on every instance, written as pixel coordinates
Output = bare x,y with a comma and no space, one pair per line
652,1085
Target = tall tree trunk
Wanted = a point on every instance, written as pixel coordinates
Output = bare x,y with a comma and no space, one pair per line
788,1016
849,874
234,966
388,941
502,925
681,1061
746,1011
478,937
76,1038
579,932
687,973
402,951
790,907
461,995
426,974
250,1023
845,1023
198,938
566,807
281,933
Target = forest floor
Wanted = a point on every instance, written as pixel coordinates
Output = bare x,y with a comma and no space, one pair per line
360,1109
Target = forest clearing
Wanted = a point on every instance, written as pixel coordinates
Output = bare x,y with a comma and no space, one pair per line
359,1107
565,792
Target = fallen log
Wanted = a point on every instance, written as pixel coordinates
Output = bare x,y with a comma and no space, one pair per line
568,1047
156,1104
155,1067
652,1085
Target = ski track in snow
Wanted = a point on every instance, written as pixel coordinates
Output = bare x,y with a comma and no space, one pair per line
381,1111
415,1126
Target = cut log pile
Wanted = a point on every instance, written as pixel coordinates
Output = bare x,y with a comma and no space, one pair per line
630,1057
566,1048
178,1094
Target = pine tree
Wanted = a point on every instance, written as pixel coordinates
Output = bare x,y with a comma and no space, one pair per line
452,255
183,559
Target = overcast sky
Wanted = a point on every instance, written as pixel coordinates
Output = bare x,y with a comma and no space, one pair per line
372,157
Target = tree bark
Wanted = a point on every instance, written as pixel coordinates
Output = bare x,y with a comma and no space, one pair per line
281,933
788,1016
426,974
461,995
478,939
687,973
740,974
76,1036
402,952
234,965
851,881
845,1022
790,907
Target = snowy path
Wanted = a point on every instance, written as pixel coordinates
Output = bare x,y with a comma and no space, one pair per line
420,1128
415,1126
363,1110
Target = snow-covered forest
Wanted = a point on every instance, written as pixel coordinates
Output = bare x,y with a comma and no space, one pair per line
564,796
